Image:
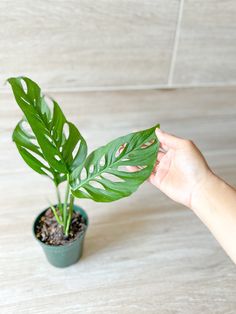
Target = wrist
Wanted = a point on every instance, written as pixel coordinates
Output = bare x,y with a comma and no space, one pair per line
202,190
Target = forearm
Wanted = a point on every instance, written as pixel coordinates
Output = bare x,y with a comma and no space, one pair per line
214,202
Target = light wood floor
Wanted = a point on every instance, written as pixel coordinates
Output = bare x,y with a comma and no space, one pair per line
143,254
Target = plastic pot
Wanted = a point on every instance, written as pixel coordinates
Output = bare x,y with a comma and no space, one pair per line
63,255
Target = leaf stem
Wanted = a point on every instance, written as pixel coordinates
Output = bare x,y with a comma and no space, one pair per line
71,205
72,198
66,202
59,200
56,216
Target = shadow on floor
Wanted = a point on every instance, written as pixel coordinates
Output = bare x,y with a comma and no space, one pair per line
119,226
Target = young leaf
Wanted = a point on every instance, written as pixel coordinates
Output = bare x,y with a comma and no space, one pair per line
61,153
104,176
32,153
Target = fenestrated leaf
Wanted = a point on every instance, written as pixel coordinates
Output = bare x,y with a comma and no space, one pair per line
62,153
104,176
32,153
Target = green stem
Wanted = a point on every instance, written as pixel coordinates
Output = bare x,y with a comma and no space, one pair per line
59,200
70,214
67,225
65,203
71,203
56,216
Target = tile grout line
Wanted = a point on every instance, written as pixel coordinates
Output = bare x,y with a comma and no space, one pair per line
150,87
176,43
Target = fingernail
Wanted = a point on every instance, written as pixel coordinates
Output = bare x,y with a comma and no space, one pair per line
158,131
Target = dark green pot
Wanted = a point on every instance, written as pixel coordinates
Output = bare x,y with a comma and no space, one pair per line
64,255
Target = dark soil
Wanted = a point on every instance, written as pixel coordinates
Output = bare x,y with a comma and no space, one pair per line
50,232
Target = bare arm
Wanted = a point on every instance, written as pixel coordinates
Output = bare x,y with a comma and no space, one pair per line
182,173
215,204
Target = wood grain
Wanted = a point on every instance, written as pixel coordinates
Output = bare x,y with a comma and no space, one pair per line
85,43
143,254
207,43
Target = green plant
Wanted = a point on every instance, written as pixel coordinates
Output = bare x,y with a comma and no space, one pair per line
53,146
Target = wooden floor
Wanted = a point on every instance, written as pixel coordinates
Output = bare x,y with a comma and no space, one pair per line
143,254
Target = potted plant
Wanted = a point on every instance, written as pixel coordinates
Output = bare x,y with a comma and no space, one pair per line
53,146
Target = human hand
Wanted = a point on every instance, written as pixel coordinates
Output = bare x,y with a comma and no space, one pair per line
180,168
182,173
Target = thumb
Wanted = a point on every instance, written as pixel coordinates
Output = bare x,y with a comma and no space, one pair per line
169,140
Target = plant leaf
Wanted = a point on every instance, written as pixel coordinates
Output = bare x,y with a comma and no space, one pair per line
104,176
61,152
32,153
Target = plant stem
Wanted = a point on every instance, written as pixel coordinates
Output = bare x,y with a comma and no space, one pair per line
65,203
71,204
70,214
59,200
56,216
67,225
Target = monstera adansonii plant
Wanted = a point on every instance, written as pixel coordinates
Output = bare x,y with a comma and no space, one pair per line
53,146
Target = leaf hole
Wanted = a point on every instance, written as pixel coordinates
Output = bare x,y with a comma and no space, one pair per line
125,159
76,149
77,181
91,169
48,138
126,168
120,150
84,191
26,101
141,167
57,157
83,174
24,86
66,131
148,144
134,169
34,141
49,102
96,185
112,177
123,168
102,161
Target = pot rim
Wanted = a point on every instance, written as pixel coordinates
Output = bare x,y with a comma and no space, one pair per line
82,234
